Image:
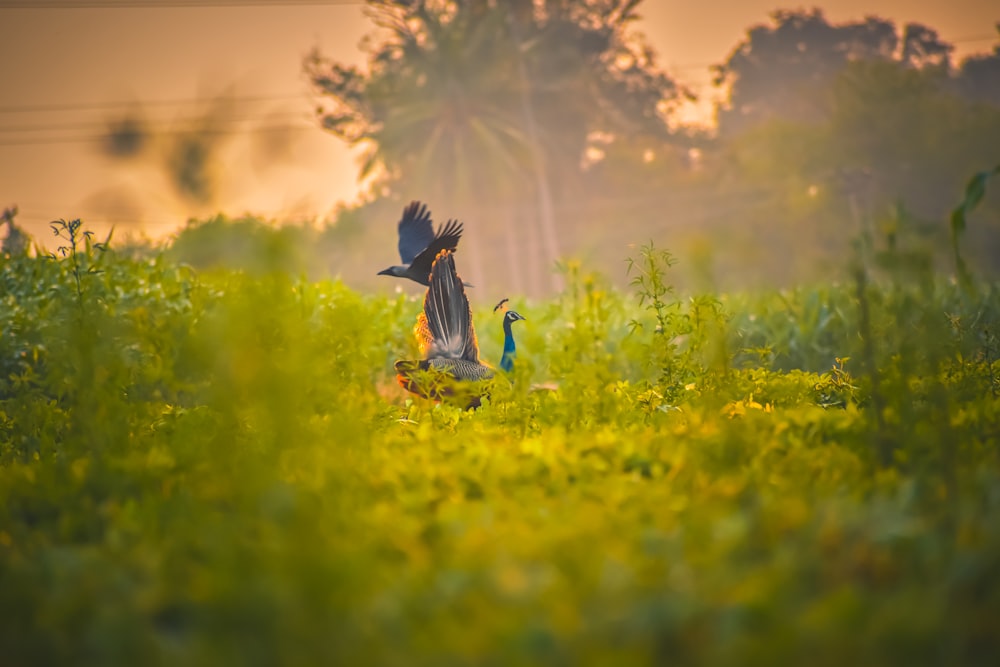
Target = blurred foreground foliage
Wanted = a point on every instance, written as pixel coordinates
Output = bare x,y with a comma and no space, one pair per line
215,466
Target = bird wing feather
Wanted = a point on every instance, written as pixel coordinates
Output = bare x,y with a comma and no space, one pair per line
416,231
446,239
447,316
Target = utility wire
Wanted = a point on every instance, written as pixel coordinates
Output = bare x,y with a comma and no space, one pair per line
99,106
80,139
727,201
146,125
973,38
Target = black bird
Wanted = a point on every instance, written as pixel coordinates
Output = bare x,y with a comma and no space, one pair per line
447,339
419,245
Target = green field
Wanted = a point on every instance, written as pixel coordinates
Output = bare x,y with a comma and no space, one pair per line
218,467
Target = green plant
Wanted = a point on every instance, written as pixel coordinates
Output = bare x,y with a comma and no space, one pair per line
975,189
687,347
219,467
81,259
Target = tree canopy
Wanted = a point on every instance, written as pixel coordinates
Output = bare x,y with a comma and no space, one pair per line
853,124
784,70
543,124
492,107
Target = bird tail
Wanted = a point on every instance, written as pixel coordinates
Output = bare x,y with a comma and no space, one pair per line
447,317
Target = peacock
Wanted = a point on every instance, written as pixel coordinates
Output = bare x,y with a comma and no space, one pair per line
509,349
447,339
419,245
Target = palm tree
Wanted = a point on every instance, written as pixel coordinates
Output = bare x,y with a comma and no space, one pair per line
485,109
431,109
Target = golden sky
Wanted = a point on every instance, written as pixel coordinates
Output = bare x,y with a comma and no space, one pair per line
67,70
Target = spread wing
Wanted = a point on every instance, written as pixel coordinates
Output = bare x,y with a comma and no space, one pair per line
416,231
447,319
446,239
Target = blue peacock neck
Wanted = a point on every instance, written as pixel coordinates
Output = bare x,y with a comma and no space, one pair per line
507,360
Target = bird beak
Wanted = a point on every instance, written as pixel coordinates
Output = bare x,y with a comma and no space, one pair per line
384,272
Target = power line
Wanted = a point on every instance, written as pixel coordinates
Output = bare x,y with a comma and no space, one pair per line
82,139
722,206
144,125
957,40
99,106
973,38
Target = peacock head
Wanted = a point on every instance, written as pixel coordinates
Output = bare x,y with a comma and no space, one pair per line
512,316
509,316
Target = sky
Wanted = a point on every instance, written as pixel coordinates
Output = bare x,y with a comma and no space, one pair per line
67,70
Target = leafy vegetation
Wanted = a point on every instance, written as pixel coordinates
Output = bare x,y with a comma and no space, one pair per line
205,457
216,466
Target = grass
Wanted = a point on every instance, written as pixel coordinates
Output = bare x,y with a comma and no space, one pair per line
217,467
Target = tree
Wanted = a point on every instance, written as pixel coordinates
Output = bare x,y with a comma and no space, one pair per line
918,139
183,161
978,77
783,70
850,127
922,48
895,150
429,111
187,153
487,109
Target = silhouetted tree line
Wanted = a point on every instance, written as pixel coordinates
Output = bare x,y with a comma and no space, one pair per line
526,115
860,125
546,126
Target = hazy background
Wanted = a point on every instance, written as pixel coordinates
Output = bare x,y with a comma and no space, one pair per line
72,68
